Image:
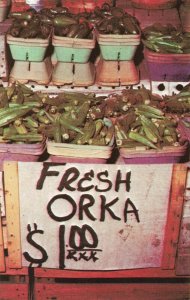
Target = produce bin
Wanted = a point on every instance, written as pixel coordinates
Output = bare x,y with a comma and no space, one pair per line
32,50
70,73
21,152
109,74
168,154
24,71
168,67
147,17
81,6
62,152
72,49
154,4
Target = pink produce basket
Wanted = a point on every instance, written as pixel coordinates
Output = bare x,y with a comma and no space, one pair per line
168,154
21,152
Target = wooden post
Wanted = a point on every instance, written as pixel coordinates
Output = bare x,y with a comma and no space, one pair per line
12,214
174,215
2,258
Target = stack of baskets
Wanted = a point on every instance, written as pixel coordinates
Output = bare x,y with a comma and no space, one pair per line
30,61
148,12
73,60
116,66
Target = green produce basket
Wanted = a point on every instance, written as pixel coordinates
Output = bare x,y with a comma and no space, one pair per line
32,50
118,52
118,47
72,49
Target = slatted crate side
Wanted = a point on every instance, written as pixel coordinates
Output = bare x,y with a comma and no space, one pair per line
10,291
129,291
133,273
2,257
183,256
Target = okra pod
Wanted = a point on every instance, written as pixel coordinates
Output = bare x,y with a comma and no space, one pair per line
11,114
27,138
141,139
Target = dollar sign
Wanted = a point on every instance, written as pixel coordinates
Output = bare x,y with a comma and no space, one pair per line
30,240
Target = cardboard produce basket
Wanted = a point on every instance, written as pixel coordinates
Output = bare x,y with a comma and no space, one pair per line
168,154
62,152
81,6
32,50
21,152
73,49
154,4
118,47
168,67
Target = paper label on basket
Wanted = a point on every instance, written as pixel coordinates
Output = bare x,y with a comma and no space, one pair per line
2,202
93,217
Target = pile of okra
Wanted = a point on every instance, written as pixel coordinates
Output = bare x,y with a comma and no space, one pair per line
40,24
131,118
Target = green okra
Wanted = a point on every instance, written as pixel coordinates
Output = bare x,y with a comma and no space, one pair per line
99,141
31,122
150,109
62,20
109,134
4,101
141,139
11,114
88,133
69,125
20,127
150,129
27,138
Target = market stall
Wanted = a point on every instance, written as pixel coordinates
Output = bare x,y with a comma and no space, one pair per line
94,150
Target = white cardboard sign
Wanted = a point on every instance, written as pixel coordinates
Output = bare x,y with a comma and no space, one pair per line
93,217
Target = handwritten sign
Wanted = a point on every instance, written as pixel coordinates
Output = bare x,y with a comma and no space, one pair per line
93,217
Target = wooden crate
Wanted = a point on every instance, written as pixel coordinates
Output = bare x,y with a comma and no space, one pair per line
171,281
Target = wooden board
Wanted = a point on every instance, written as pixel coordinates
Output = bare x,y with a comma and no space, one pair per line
129,291
135,273
2,200
174,215
10,291
183,255
12,214
2,258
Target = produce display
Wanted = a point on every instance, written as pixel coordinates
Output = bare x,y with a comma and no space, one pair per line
28,117
179,103
29,24
86,119
141,118
120,104
146,126
21,115
71,120
107,19
115,20
166,39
